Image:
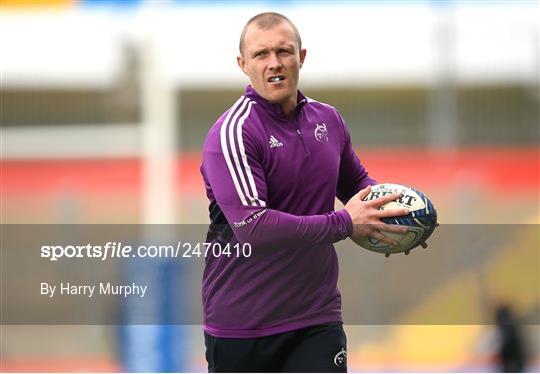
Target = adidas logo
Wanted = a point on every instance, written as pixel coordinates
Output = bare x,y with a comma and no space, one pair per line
274,142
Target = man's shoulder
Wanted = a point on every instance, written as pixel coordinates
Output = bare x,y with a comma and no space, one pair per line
323,109
240,114
319,104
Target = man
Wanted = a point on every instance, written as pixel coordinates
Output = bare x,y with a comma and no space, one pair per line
273,165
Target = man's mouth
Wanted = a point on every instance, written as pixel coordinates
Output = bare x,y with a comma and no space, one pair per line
276,78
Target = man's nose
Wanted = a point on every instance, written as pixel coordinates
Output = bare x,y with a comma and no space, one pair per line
274,63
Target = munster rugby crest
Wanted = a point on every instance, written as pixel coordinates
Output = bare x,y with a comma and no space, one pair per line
321,134
340,359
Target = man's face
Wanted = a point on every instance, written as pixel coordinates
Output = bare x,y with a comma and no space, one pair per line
272,60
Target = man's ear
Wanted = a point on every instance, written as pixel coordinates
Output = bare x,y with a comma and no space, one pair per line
241,63
302,56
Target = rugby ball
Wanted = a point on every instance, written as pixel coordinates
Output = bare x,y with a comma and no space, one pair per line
420,222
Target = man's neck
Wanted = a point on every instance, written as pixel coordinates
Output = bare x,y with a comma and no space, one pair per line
289,106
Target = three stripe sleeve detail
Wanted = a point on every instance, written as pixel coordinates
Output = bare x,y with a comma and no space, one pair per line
232,146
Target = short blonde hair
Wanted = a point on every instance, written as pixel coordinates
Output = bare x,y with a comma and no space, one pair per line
267,21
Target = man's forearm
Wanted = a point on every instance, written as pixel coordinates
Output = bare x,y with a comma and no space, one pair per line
275,229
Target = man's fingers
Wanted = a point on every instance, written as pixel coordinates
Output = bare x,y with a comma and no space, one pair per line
376,234
391,212
362,194
424,245
385,199
392,228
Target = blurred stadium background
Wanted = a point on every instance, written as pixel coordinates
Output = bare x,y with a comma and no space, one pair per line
105,105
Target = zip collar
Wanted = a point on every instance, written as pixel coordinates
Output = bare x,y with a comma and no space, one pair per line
273,108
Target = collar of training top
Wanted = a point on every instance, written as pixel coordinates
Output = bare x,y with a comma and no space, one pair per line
274,109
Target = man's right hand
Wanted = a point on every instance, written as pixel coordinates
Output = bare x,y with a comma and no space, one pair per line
366,216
